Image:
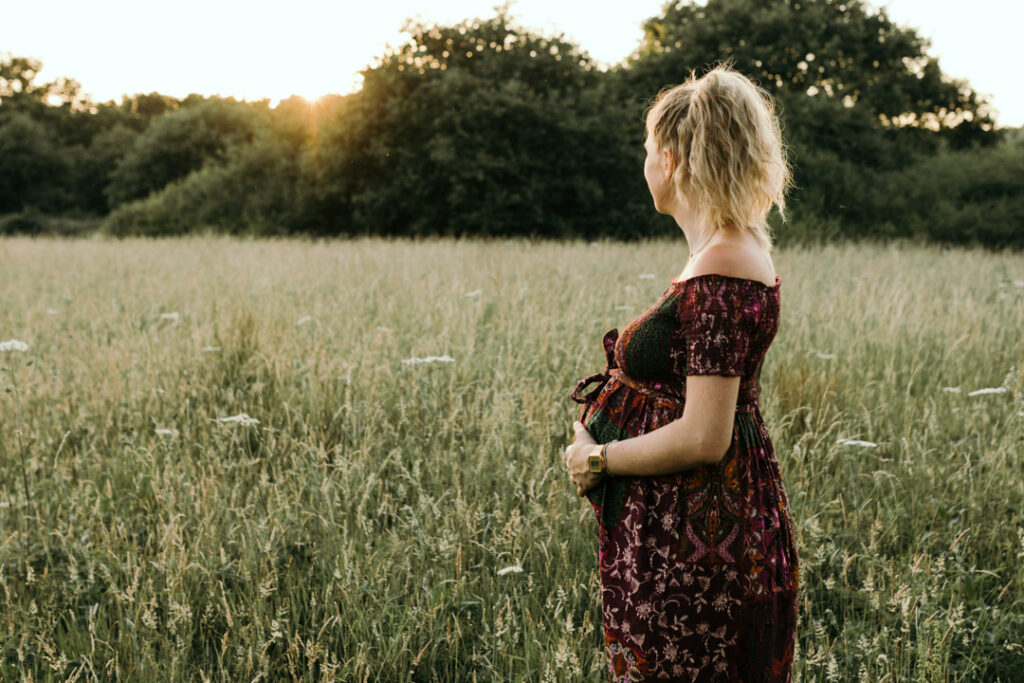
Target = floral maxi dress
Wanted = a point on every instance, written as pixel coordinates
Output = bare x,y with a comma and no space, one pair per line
698,568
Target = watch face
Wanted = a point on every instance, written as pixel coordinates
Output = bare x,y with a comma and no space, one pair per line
594,461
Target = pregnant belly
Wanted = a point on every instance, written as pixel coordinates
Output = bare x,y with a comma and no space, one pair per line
621,411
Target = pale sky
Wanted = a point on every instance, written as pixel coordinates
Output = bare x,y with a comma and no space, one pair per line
256,49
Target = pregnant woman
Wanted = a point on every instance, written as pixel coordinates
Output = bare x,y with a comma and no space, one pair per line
697,557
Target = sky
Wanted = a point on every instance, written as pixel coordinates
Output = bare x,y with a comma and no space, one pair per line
259,49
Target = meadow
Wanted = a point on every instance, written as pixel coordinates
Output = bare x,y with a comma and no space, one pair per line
365,517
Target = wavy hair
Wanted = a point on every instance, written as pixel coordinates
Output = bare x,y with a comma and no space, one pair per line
726,142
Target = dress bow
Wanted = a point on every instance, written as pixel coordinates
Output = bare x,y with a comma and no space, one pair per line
610,337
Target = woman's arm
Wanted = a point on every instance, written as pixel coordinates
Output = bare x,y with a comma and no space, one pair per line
700,437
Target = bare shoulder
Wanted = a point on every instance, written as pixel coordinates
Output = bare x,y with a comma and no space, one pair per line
747,260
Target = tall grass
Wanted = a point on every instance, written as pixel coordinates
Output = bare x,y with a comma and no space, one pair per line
356,532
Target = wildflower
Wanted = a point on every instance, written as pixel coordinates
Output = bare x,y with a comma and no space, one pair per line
167,432
381,328
241,418
646,276
429,359
13,345
5,503
305,319
475,292
951,390
855,442
52,311
210,349
825,356
990,390
1018,283
174,315
622,308
513,569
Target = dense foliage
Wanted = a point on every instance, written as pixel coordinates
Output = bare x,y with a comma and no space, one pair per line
487,128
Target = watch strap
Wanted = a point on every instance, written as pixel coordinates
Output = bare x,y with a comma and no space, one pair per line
604,455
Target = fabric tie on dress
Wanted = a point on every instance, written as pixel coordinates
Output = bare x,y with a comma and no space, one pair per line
747,401
610,337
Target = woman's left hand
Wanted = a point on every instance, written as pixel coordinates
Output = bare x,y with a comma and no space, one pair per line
576,460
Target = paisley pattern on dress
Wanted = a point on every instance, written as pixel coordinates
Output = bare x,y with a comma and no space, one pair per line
699,573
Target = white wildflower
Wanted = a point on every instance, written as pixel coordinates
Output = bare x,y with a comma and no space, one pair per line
5,503
381,328
167,432
513,569
52,311
646,276
1018,283
825,356
855,442
13,345
989,390
241,418
475,292
210,349
951,390
622,308
174,315
429,359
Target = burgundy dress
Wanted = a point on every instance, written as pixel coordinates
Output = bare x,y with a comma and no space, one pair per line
698,568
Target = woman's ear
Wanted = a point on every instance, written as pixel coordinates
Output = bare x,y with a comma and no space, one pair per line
668,161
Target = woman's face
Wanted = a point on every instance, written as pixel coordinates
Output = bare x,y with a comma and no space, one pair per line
658,172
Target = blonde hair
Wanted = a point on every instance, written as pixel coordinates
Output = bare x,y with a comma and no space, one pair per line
726,143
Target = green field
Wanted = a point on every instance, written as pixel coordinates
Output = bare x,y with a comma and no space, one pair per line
356,532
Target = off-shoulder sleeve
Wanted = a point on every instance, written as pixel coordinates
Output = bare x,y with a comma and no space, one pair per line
716,327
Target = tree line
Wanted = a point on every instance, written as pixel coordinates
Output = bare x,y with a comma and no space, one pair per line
487,128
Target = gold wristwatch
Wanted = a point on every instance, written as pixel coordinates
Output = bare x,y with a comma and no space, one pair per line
595,459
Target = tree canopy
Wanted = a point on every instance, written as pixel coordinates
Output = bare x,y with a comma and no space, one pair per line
837,49
484,127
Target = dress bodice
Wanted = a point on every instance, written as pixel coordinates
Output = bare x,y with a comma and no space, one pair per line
705,325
